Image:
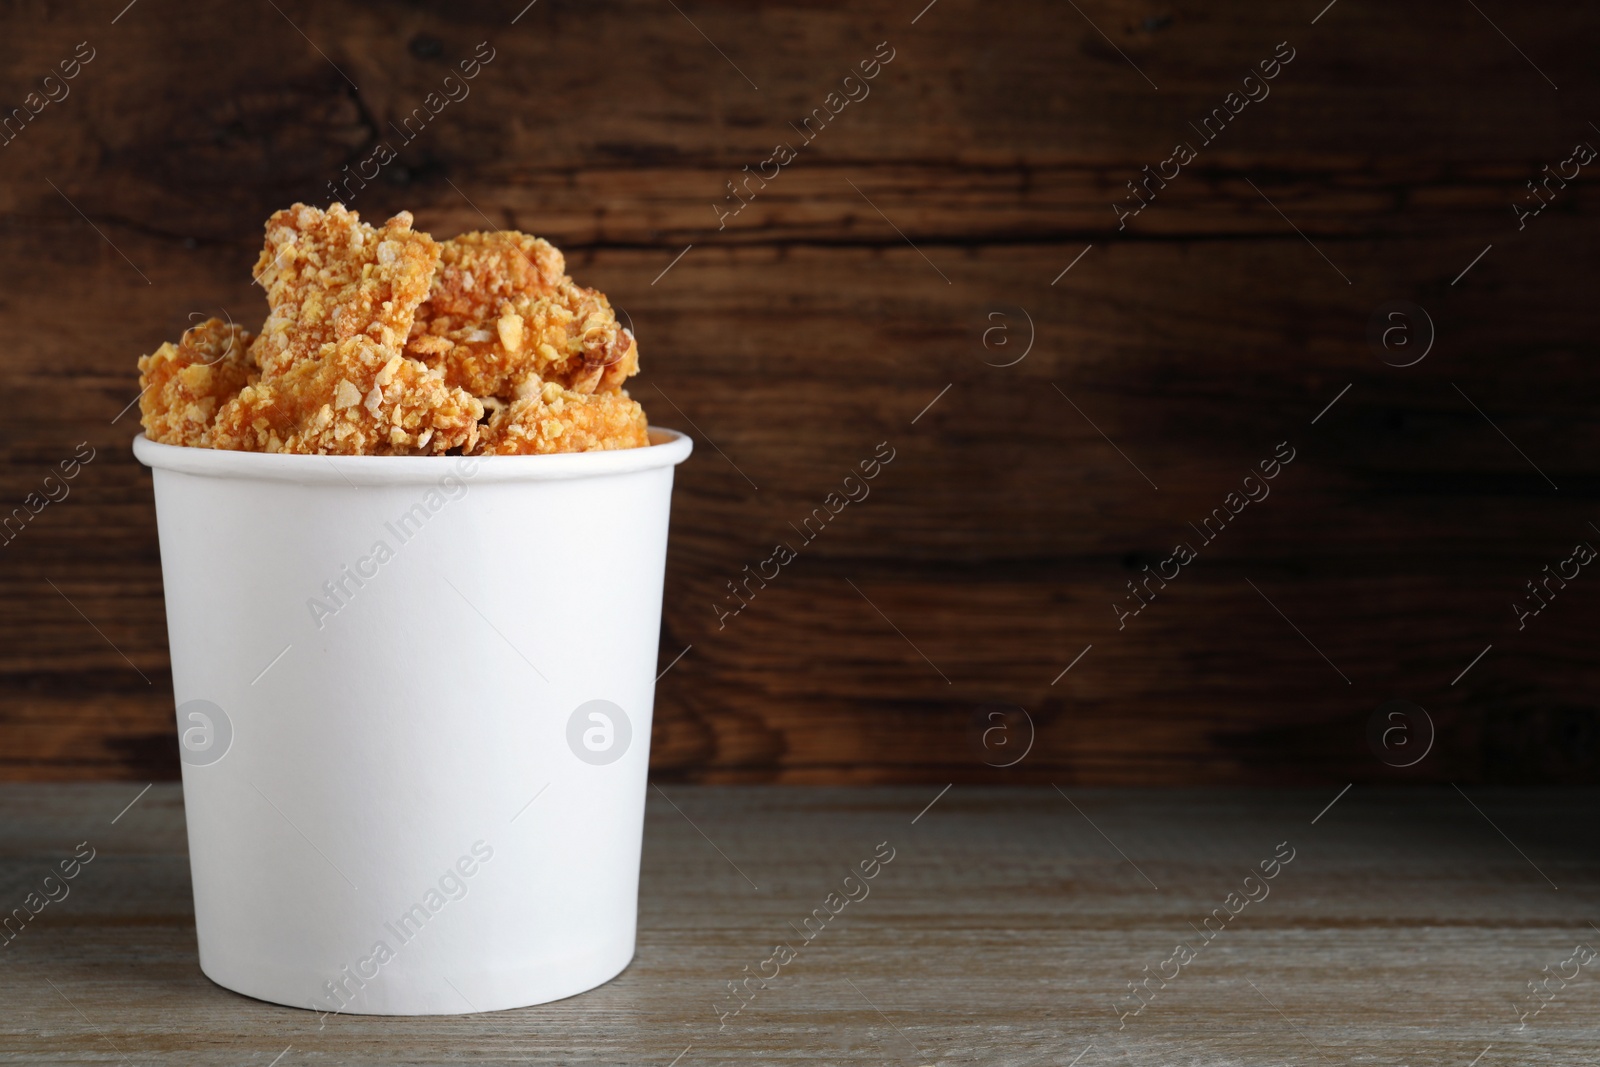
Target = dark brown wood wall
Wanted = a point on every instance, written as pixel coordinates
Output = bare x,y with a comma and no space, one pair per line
854,290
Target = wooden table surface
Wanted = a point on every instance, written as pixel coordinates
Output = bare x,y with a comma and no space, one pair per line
1404,930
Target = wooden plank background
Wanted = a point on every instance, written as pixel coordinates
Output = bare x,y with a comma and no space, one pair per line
854,290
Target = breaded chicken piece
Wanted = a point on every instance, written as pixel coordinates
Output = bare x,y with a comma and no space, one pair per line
342,296
548,418
329,277
501,307
357,399
581,347
381,341
479,271
182,385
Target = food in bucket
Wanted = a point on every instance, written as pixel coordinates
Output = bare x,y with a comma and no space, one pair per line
383,341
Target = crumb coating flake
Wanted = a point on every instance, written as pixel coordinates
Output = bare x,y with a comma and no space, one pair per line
381,341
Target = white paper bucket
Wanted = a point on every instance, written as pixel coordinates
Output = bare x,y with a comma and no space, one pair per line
414,699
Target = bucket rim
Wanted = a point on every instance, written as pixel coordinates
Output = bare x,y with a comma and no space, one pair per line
667,448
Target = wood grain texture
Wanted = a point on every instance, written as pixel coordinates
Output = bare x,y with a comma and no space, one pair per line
1004,932
853,290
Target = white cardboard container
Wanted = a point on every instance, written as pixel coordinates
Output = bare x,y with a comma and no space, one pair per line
414,698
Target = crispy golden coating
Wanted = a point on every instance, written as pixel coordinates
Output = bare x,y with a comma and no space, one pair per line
381,341
501,306
479,271
329,277
358,399
548,418
182,385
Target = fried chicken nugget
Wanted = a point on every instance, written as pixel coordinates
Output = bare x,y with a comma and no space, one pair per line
501,306
181,386
342,296
358,399
547,418
329,277
479,271
382,341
